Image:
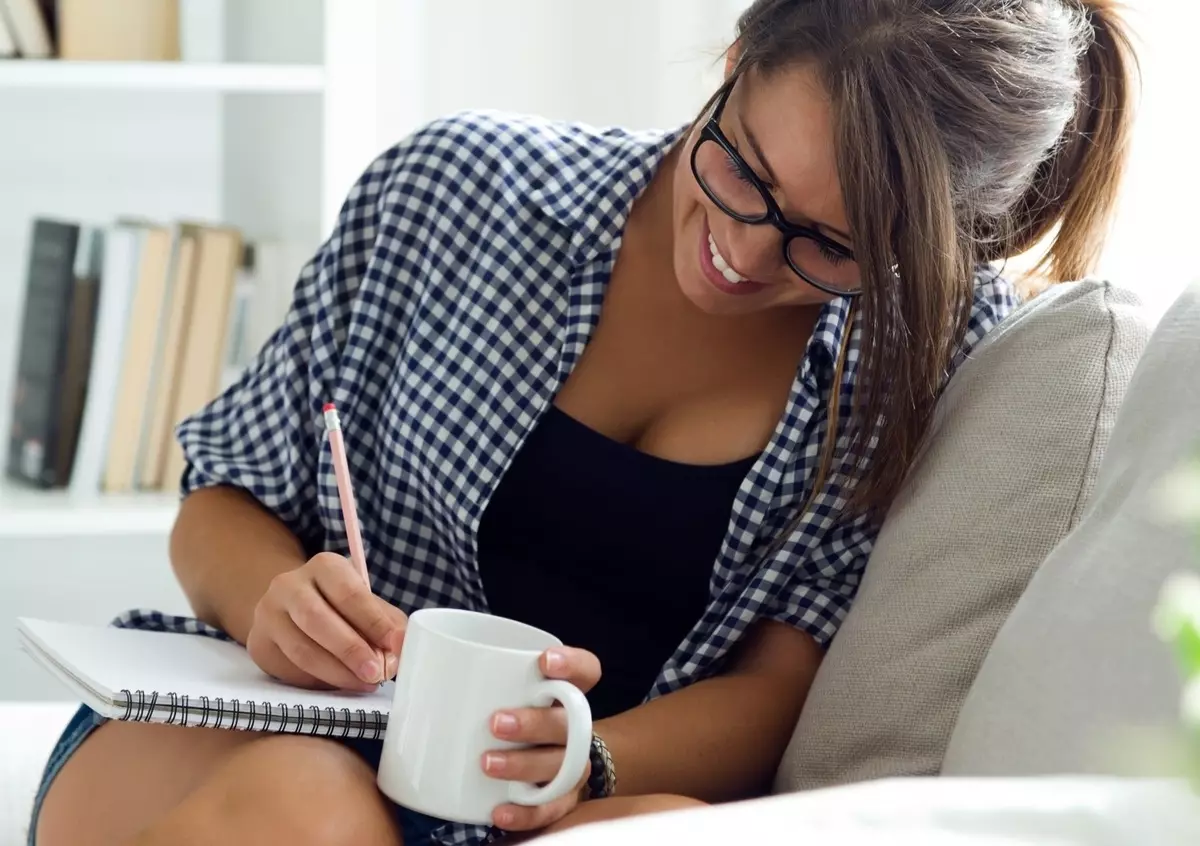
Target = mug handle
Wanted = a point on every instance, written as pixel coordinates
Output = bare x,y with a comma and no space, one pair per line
579,744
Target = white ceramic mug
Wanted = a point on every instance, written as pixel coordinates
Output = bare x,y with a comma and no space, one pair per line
457,669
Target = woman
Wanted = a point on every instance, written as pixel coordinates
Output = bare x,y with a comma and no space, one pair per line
578,367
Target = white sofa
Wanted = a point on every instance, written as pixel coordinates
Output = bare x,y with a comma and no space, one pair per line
27,733
1042,811
1003,628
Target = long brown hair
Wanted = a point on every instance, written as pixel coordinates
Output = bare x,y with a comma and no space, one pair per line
967,132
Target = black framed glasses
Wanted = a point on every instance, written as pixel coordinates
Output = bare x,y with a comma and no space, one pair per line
736,190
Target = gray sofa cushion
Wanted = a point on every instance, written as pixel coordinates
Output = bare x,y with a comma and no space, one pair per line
1076,672
1012,456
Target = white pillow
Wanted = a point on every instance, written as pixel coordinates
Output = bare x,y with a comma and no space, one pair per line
1013,452
1076,673
28,731
929,812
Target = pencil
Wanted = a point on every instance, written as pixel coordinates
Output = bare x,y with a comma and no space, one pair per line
341,470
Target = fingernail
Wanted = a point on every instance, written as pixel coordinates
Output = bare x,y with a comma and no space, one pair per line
369,671
493,762
393,662
504,818
504,724
555,661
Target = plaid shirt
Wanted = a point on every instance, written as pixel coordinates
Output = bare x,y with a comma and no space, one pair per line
459,288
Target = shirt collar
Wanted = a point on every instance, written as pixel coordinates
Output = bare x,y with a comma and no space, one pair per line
826,342
587,180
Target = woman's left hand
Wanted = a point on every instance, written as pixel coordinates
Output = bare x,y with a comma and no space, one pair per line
545,729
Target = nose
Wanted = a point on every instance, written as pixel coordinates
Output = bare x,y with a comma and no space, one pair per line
752,250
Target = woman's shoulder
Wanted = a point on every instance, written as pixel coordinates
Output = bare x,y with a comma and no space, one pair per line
995,297
506,159
995,293
501,134
488,137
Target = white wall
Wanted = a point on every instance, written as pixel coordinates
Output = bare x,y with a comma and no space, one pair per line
1152,248
638,63
623,62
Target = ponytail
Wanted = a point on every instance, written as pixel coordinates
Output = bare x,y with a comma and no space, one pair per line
1076,188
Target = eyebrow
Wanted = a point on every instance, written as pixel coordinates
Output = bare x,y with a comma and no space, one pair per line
762,159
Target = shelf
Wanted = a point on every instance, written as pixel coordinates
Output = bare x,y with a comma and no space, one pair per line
160,76
33,513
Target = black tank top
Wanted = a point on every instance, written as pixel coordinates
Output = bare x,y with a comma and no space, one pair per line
607,547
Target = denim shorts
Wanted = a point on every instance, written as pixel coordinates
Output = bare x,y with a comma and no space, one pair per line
416,828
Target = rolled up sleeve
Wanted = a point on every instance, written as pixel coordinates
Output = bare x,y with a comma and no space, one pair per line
816,593
263,434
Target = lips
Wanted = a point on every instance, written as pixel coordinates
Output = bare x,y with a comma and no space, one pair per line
719,272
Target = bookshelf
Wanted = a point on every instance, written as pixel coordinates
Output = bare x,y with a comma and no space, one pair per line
31,514
263,128
260,77
236,139
291,100
266,134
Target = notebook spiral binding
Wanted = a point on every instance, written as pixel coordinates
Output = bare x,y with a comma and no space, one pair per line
209,712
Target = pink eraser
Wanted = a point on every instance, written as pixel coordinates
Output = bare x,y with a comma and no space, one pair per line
329,407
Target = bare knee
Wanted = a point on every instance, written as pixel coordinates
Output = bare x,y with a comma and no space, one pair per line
658,803
284,789
126,776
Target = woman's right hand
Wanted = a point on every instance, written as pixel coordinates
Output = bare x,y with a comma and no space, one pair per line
321,626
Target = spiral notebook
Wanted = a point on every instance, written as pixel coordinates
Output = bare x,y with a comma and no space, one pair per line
190,680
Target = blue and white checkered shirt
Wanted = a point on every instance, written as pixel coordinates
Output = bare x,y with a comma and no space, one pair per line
459,288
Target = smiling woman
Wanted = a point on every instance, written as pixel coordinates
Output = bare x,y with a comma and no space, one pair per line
650,391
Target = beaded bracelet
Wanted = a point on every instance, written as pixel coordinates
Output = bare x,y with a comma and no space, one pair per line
602,781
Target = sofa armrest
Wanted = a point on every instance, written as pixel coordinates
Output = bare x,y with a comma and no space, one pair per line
28,731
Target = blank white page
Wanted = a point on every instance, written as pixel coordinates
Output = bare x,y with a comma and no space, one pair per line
105,660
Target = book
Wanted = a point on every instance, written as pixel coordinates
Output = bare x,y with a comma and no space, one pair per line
49,286
128,31
8,46
118,275
172,341
49,9
77,355
29,28
198,378
55,351
135,382
192,680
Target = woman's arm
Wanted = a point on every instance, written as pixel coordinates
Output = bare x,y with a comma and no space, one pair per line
253,451
311,622
225,550
722,738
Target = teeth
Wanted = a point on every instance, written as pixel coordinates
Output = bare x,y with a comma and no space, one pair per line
731,275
